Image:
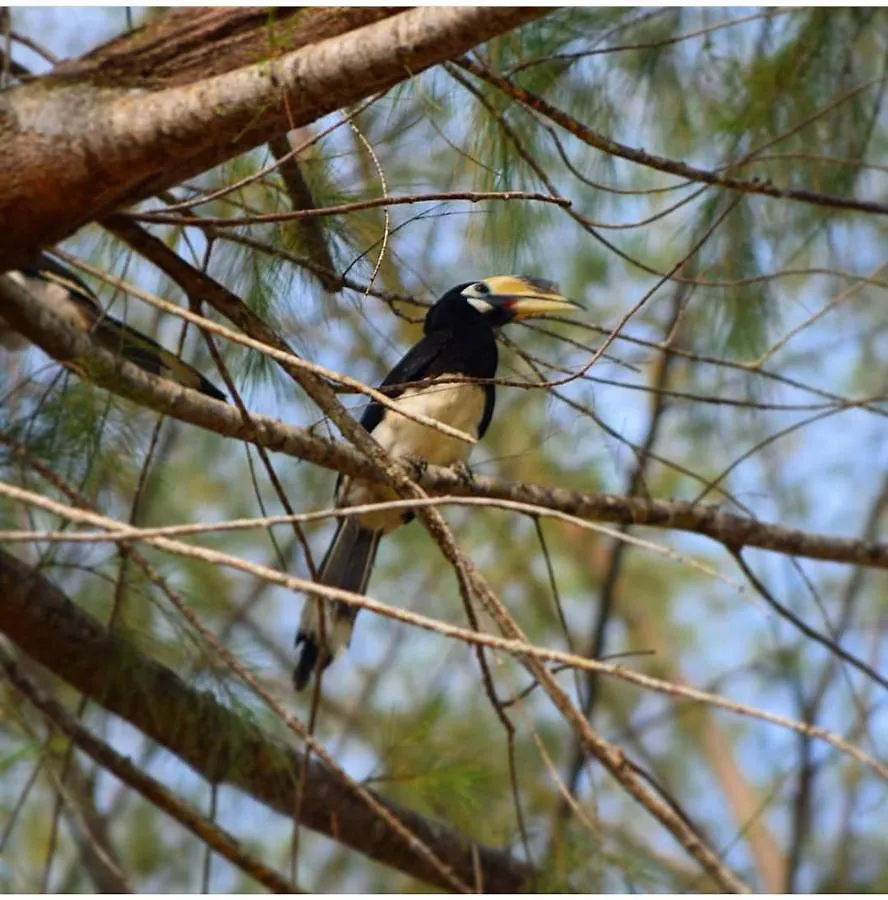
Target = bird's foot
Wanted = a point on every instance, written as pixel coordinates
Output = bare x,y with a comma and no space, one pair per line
463,473
417,467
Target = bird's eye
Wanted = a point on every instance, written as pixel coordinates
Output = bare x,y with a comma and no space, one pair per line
481,288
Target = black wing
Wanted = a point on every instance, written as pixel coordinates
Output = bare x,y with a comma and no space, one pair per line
414,366
489,403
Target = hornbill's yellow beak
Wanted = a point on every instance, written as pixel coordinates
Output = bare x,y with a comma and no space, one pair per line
514,297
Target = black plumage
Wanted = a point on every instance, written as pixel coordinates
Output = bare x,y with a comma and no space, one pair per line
459,340
453,344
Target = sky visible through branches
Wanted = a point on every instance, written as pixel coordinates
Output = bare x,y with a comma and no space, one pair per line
780,313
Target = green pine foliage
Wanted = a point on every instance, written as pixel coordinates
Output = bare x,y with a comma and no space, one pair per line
794,97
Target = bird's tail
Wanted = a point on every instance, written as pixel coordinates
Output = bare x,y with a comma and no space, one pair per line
347,565
150,356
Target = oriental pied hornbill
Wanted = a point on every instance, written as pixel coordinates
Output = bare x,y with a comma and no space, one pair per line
459,340
54,286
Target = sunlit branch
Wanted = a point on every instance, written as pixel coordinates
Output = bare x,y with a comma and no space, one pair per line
132,383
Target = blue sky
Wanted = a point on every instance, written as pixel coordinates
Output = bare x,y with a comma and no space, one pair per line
832,468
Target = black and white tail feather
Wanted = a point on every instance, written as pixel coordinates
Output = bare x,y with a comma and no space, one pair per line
347,565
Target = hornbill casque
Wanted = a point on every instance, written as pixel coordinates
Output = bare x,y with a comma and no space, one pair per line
58,289
459,340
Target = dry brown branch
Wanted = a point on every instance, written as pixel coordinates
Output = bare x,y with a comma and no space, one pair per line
214,740
733,531
135,534
673,166
519,646
126,534
296,215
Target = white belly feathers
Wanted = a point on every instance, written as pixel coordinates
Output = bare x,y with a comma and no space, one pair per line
458,405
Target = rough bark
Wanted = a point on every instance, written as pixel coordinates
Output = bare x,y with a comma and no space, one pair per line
101,134
186,45
218,743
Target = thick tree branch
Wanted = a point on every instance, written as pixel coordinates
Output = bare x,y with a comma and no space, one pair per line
215,741
183,46
312,239
156,793
77,147
735,532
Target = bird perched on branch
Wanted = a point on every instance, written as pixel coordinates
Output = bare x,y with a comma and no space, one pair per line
459,341
54,286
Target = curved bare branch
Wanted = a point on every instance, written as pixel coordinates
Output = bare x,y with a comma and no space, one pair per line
42,327
215,741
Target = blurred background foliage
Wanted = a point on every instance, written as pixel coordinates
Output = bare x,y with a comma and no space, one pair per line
699,398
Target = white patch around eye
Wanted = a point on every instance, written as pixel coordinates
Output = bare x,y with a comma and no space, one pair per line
481,305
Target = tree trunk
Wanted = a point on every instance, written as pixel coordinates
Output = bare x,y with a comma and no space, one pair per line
193,89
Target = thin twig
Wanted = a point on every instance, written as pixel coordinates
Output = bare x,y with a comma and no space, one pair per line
164,218
672,166
152,790
518,646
